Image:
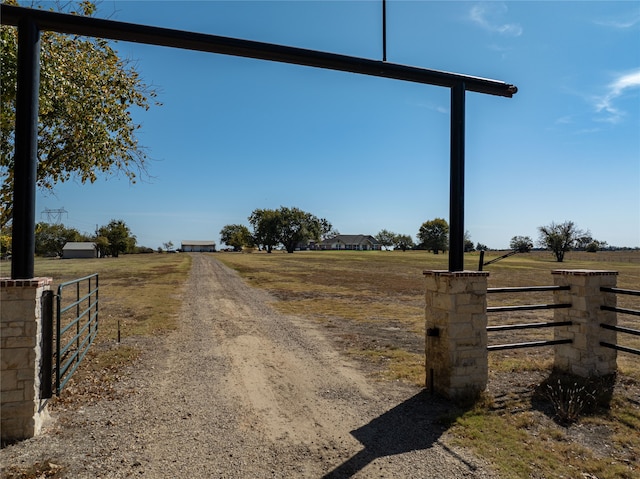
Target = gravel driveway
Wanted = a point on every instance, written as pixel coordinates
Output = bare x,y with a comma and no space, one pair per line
241,391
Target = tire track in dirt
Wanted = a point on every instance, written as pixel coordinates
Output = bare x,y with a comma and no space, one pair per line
259,394
241,391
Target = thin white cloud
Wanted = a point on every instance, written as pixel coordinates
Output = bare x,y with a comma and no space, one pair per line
432,107
489,16
621,85
564,120
621,23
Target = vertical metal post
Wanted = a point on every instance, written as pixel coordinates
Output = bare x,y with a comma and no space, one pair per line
456,188
58,342
384,30
26,150
46,369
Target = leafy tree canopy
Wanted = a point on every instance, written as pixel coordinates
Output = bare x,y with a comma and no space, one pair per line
266,228
236,236
560,238
51,238
521,244
468,244
327,230
119,237
386,238
434,235
297,227
5,240
86,96
402,242
290,227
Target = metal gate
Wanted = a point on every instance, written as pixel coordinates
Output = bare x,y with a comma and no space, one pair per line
75,328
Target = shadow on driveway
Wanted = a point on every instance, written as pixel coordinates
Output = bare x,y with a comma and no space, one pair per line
415,424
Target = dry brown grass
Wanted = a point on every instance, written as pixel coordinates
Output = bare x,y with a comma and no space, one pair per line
367,292
139,294
372,304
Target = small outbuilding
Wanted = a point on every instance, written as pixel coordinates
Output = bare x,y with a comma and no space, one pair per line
79,249
198,246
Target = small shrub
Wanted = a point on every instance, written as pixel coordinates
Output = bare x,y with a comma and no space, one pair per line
570,401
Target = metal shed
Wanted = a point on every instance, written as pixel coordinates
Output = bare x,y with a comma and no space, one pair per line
79,249
198,246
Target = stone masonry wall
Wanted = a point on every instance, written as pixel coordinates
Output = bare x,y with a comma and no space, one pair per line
456,332
21,409
584,356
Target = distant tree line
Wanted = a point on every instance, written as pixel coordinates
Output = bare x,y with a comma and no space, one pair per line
289,227
292,227
110,240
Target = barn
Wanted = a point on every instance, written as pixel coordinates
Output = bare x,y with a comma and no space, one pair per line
198,246
79,249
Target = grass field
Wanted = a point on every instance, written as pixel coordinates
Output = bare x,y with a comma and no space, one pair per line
372,305
139,294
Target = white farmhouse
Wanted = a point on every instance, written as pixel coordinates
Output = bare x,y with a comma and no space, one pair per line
350,242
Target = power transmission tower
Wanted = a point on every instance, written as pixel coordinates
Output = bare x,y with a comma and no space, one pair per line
54,216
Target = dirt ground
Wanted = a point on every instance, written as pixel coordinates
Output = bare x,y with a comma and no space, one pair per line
241,391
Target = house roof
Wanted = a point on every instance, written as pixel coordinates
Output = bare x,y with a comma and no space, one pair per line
79,245
198,243
351,239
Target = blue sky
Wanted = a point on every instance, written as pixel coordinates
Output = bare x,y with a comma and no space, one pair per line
367,154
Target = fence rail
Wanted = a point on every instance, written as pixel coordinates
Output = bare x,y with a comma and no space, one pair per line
527,307
530,344
74,338
620,329
630,292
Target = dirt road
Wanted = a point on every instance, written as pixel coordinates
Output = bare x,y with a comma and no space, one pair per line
241,391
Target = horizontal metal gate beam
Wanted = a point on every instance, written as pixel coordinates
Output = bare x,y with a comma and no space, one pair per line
129,32
41,20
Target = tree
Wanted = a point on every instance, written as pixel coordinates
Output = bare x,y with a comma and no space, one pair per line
51,238
236,236
468,244
595,246
168,245
521,244
482,247
559,238
297,227
327,230
434,235
102,245
5,241
119,237
266,228
402,242
386,238
86,96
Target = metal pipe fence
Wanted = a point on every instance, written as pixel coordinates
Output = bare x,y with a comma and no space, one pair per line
621,329
527,307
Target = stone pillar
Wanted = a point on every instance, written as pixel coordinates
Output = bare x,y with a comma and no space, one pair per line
21,409
585,357
456,333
